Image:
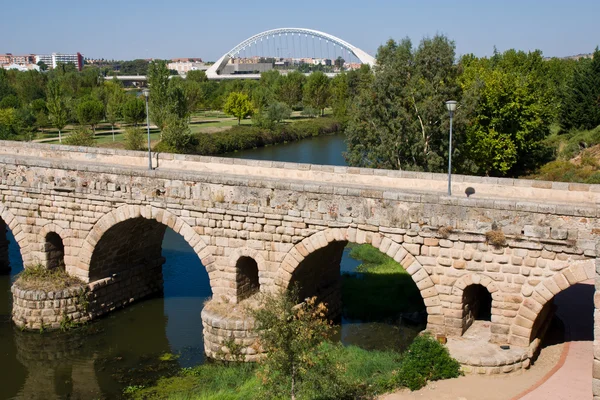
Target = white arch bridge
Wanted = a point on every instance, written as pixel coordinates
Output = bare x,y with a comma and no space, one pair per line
215,71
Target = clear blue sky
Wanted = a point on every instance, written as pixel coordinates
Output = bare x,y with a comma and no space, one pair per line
129,29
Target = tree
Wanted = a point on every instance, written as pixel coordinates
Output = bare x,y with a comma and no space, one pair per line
177,134
90,112
134,110
290,333
81,136
581,103
317,91
510,106
114,104
194,95
289,88
399,120
339,62
134,138
278,111
196,76
42,65
160,101
238,105
57,106
340,99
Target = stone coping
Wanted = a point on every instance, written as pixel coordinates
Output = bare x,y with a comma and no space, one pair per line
346,189
40,294
418,181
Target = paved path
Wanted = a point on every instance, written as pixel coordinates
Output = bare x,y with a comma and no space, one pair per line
563,371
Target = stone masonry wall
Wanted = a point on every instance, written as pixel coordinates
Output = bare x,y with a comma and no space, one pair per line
39,310
279,213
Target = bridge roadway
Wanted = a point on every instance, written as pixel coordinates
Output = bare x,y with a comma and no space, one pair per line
262,225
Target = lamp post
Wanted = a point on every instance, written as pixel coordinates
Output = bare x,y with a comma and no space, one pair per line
146,95
451,106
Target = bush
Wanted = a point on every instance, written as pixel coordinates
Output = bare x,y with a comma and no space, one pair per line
249,137
496,238
134,138
426,360
176,134
80,137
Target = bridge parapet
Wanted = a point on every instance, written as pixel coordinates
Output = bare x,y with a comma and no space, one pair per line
518,194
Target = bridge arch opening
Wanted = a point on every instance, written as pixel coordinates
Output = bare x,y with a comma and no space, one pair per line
55,251
247,281
367,292
141,257
477,305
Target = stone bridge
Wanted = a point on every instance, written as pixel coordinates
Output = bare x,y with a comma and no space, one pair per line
262,225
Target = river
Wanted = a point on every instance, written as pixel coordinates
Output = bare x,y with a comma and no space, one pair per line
123,348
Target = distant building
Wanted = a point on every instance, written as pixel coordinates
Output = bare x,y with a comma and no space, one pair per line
184,65
9,58
52,60
22,67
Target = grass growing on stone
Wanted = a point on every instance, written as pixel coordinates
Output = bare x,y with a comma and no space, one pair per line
39,278
381,290
361,374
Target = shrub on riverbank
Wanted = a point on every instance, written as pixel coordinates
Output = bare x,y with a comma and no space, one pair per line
249,137
363,375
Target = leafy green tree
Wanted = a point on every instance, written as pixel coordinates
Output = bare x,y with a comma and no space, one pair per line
114,105
134,110
25,123
7,123
269,78
81,136
340,99
399,120
133,138
278,111
339,62
196,76
57,106
160,99
42,65
177,134
239,105
510,107
194,95
90,112
30,85
290,333
317,91
10,101
290,88
581,103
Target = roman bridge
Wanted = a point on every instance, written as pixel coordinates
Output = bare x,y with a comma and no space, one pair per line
259,226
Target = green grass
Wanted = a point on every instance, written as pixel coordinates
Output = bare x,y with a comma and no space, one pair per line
40,278
382,290
353,373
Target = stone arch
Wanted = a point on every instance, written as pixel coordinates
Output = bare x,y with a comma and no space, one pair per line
65,235
8,220
536,298
55,251
244,271
385,244
161,216
458,319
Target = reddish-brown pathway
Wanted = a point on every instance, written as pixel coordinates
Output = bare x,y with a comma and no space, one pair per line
563,370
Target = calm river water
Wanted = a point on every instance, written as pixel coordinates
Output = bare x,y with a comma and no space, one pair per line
101,359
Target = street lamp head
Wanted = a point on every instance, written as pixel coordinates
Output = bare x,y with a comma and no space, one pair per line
451,105
146,93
